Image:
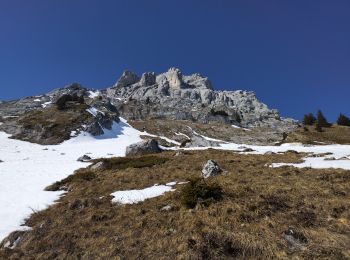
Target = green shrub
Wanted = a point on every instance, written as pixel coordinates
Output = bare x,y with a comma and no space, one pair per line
309,119
321,120
199,191
343,120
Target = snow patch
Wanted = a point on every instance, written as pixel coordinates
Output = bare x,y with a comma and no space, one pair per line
136,196
46,104
93,94
28,168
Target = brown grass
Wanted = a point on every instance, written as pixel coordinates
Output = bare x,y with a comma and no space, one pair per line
334,134
259,207
50,125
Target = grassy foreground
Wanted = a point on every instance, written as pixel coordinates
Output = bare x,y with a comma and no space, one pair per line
262,212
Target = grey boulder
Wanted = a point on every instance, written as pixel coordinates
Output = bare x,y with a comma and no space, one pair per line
143,147
211,169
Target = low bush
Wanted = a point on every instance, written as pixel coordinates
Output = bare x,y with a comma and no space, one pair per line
197,190
343,120
139,162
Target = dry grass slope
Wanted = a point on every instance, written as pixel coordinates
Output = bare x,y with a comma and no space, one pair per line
263,213
309,135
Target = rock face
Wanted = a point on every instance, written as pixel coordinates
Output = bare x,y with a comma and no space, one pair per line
171,95
211,169
143,147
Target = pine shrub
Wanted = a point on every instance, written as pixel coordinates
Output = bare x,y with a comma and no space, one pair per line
343,120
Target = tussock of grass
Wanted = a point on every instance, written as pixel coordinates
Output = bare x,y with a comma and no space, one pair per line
80,175
138,162
198,191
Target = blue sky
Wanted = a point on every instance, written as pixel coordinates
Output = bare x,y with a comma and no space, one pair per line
294,54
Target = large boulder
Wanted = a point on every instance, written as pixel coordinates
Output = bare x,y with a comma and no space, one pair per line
143,147
211,169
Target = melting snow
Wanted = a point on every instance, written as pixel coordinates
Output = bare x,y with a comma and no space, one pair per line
28,168
136,196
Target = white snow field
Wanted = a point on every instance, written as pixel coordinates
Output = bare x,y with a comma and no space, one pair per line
28,168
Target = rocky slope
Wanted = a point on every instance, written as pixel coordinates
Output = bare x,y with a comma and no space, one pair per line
172,95
41,120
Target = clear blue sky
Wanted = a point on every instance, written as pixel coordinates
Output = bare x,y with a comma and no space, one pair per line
294,54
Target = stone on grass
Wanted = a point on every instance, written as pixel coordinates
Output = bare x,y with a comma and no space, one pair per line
211,169
166,208
98,166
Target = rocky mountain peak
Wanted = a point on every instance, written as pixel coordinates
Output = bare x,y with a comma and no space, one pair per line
172,95
126,79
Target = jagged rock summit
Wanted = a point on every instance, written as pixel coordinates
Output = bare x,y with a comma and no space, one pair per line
167,97
172,95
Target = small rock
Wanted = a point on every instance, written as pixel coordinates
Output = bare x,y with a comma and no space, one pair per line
1,161
166,208
178,153
269,153
294,238
292,151
143,147
12,240
84,158
329,159
98,166
246,150
210,169
343,158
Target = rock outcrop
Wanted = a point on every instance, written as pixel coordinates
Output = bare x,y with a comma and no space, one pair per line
57,115
171,95
143,147
211,169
